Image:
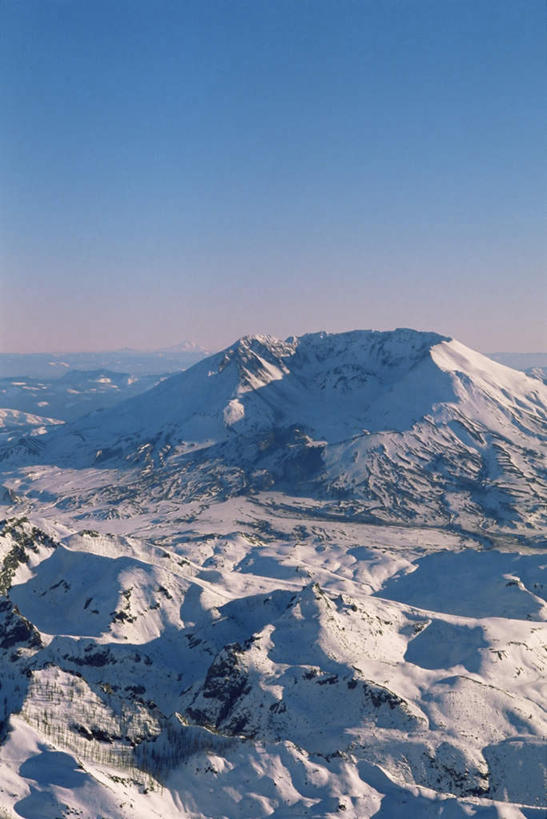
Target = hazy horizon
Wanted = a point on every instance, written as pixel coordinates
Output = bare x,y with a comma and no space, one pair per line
210,349
208,170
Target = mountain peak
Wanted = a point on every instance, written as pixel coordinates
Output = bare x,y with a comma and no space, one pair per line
257,360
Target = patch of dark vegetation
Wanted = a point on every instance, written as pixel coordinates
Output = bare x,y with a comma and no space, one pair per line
15,629
310,674
63,583
135,689
461,782
14,557
122,617
26,538
379,696
226,683
98,659
98,734
328,680
278,707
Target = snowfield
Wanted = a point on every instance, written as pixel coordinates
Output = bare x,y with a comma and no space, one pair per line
303,578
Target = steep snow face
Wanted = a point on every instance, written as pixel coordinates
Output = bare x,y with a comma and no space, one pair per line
490,393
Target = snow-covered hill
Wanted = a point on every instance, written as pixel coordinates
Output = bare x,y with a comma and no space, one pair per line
15,422
302,578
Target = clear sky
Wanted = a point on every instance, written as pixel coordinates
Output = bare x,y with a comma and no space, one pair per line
205,169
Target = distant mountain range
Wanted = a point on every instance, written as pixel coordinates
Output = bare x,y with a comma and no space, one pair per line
74,394
131,362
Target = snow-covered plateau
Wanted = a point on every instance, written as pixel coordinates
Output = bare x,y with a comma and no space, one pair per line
303,578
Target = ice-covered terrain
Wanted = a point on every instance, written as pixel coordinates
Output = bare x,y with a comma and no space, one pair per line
302,578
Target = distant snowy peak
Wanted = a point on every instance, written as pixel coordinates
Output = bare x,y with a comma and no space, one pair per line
367,347
185,347
521,361
338,383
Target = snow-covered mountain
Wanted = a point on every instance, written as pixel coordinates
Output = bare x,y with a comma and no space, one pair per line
302,578
402,427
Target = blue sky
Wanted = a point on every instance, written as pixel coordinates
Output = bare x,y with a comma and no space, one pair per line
206,169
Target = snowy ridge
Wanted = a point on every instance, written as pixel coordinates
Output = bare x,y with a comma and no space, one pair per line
11,419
